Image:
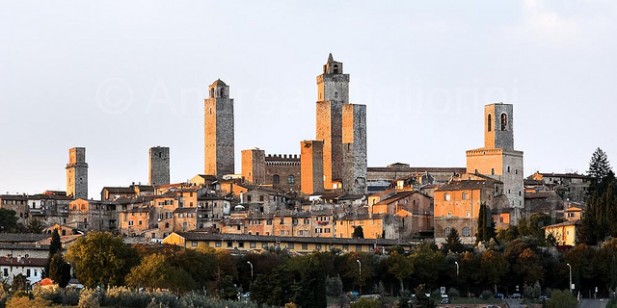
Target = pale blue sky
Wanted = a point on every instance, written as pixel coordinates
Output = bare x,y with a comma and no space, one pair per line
120,76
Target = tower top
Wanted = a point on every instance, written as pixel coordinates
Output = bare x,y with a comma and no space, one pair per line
332,67
219,89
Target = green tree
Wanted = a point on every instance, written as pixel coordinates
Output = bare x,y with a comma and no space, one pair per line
494,267
154,272
59,270
100,258
35,226
20,283
599,166
453,241
8,220
427,263
562,299
486,225
309,288
399,266
55,246
357,232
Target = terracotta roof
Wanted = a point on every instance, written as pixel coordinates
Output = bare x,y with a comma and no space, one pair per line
467,184
199,236
22,237
566,175
38,262
396,197
417,169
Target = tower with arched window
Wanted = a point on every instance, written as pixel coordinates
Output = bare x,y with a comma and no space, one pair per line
219,130
498,159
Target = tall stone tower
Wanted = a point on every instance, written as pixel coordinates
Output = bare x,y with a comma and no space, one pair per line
159,166
77,174
311,164
497,158
254,166
219,130
344,161
332,93
354,148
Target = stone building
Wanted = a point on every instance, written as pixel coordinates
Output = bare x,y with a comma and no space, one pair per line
342,129
17,203
311,163
77,174
457,205
497,158
92,215
254,166
158,171
219,130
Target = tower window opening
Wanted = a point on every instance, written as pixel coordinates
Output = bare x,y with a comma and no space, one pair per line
335,94
489,122
504,121
222,92
211,92
336,69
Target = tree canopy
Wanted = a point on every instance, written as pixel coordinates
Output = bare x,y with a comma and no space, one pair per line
101,258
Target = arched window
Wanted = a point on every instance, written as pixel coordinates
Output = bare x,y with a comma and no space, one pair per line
489,122
336,69
466,231
447,231
222,92
504,121
291,179
212,92
276,179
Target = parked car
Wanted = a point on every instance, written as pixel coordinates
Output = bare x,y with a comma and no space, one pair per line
516,296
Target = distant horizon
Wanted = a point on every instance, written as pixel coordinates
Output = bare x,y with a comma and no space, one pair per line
118,78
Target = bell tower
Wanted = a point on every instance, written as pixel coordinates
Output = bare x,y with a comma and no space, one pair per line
333,85
498,126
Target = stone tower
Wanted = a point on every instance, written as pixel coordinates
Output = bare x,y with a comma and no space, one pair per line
254,166
341,127
159,166
354,148
498,128
497,158
219,130
77,174
332,93
311,164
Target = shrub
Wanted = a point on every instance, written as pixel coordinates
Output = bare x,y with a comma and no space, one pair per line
562,299
125,297
453,292
366,303
90,298
69,297
486,294
26,302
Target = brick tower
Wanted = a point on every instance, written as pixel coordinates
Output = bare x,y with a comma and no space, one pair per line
77,174
159,166
219,130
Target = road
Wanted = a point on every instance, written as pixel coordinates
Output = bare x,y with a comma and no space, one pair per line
593,303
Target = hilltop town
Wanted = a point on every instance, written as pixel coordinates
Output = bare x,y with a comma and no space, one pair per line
321,198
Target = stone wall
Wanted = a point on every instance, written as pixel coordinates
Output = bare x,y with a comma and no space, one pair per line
354,148
77,174
219,131
254,166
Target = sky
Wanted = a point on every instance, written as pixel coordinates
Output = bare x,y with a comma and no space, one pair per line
118,77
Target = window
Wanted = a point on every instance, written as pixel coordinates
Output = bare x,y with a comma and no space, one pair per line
468,213
446,197
6,272
504,121
465,195
492,171
264,245
447,231
304,246
261,198
252,244
241,244
318,246
508,169
276,179
489,122
449,214
194,243
229,244
358,247
28,273
466,231
290,246
217,244
291,179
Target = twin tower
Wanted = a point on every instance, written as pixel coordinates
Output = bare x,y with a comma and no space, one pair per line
336,159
